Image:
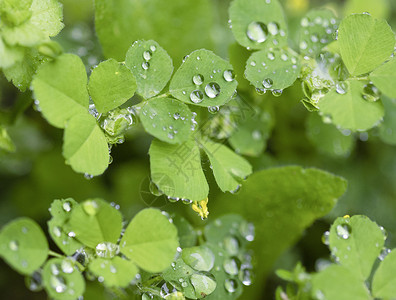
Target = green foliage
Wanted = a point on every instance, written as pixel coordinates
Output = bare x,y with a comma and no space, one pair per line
383,77
383,281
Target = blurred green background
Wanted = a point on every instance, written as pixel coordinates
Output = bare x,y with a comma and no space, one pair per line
35,174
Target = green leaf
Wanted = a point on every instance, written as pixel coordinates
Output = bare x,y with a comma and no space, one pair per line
9,55
200,258
60,211
187,234
229,168
110,85
177,170
26,35
258,24
250,137
6,142
119,23
350,110
151,65
384,78
356,242
167,119
327,138
60,88
116,272
23,245
62,280
150,241
47,16
95,221
387,130
317,29
203,79
85,146
285,199
271,69
15,12
338,283
365,43
384,280
378,9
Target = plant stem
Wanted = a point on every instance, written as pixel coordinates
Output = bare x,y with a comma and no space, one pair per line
52,253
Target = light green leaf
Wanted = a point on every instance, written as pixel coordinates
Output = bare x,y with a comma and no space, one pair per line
9,55
356,242
200,258
281,202
6,142
350,110
203,79
384,280
110,85
23,245
258,24
384,78
15,12
365,42
177,170
116,272
378,9
250,137
150,241
60,88
271,69
21,73
26,35
84,145
187,234
327,138
229,168
387,130
167,119
47,16
62,280
317,29
95,221
119,23
151,65
60,211
338,283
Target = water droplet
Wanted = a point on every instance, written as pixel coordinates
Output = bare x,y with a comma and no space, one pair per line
231,245
245,276
228,75
199,258
267,83
203,283
257,32
67,266
13,245
230,266
271,56
277,93
230,285
196,96
293,60
154,189
371,93
147,56
107,250
90,207
66,206
57,231
314,38
145,65
58,284
304,22
34,282
303,45
153,48
384,253
273,28
253,63
236,190
88,176
71,234
212,90
284,57
247,231
198,79
342,87
184,284
213,109
344,231
326,237
113,269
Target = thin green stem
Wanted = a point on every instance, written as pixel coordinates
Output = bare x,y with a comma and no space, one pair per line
52,253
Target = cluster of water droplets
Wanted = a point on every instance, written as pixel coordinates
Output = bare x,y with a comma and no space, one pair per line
58,277
258,32
316,33
147,56
116,122
107,250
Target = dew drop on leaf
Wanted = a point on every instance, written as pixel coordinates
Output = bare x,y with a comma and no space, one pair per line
230,266
231,245
371,93
277,93
325,238
384,253
230,285
342,87
153,48
13,245
245,276
66,206
273,28
271,56
147,55
145,65
247,231
212,90
196,96
67,267
107,250
267,83
343,231
213,109
228,75
90,207
198,79
58,284
257,32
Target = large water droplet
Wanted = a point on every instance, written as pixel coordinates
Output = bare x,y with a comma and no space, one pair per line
325,238
199,258
34,282
58,284
213,109
66,206
107,250
196,96
303,45
203,283
267,83
342,87
384,253
371,92
153,48
277,93
344,231
245,276
154,189
90,207
147,55
271,56
247,231
67,266
228,75
230,266
257,32
145,65
304,22
273,28
231,245
13,245
198,79
230,285
212,90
